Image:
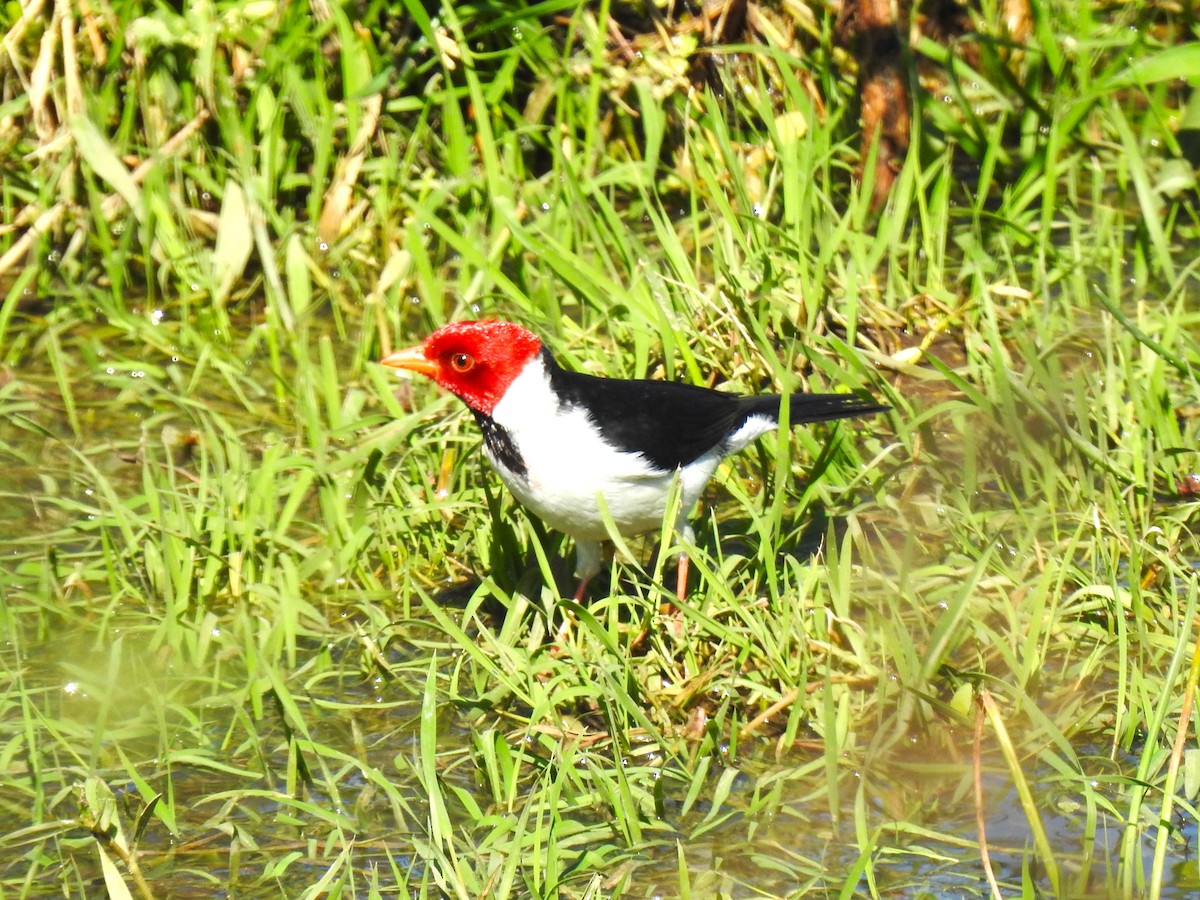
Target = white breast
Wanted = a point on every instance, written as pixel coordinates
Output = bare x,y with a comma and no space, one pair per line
569,465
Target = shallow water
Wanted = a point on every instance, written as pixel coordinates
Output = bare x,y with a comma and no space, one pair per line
182,729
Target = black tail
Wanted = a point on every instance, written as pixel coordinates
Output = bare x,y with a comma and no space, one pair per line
805,408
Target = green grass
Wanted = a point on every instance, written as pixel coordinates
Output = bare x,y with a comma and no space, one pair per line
248,647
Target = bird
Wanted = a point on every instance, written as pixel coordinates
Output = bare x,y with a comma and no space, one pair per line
577,449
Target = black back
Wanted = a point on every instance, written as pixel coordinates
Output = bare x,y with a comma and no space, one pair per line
671,423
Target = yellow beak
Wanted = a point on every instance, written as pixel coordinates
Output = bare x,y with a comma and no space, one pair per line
412,359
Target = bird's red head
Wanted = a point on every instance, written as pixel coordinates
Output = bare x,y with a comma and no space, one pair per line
475,361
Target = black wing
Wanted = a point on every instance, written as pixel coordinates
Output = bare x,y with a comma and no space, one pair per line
672,424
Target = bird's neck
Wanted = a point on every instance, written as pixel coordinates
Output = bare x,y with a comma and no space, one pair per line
530,402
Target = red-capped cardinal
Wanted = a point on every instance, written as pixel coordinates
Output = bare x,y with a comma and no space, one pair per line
562,440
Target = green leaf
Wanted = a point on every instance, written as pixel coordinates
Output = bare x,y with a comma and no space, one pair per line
234,241
100,156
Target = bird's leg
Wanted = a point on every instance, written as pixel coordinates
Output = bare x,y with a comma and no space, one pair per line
681,576
579,591
681,580
688,537
670,611
588,557
587,563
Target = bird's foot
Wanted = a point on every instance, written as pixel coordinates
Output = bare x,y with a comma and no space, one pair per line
563,634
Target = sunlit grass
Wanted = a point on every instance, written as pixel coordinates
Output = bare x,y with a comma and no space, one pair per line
269,626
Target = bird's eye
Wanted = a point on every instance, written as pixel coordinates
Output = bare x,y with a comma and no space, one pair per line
462,362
